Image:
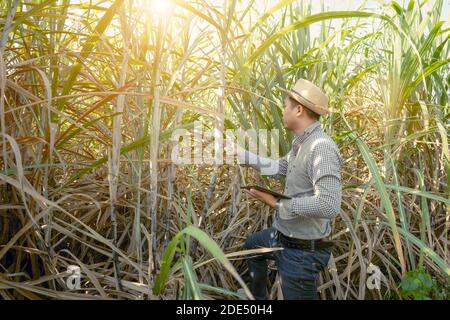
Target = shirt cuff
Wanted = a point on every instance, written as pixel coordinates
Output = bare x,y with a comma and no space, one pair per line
285,209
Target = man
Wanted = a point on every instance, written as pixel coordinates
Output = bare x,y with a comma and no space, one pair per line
313,181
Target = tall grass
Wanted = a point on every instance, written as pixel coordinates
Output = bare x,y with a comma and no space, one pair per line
91,93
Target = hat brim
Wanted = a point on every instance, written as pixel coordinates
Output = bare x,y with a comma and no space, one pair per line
322,110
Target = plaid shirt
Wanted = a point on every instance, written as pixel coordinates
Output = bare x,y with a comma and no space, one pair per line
312,170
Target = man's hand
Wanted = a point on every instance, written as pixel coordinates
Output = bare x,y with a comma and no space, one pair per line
267,198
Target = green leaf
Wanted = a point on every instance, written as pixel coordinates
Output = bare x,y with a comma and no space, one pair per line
379,183
191,278
207,243
308,21
87,49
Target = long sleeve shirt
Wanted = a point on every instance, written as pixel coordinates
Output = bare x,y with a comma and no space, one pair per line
313,180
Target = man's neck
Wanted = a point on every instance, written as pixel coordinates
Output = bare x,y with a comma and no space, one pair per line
302,126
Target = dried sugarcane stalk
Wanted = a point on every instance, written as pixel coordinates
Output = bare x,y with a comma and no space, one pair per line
154,139
4,39
219,128
113,181
114,161
235,196
171,171
209,195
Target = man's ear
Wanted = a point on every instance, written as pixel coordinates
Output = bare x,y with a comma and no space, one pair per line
299,110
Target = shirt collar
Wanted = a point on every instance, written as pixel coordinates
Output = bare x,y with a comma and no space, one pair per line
299,138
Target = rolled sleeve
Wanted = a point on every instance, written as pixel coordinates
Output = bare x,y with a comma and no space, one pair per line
325,203
285,209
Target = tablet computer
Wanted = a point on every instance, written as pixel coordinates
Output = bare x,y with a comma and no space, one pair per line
275,194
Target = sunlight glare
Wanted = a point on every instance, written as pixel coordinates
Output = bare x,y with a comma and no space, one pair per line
161,7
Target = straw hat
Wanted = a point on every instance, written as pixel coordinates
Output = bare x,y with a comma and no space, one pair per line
310,96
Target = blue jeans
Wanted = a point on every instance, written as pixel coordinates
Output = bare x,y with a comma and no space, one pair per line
298,268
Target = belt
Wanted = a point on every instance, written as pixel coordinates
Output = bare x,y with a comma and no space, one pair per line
295,243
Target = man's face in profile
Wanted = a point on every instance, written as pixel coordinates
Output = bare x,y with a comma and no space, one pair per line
290,112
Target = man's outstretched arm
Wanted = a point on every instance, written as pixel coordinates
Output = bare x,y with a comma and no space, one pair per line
275,169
